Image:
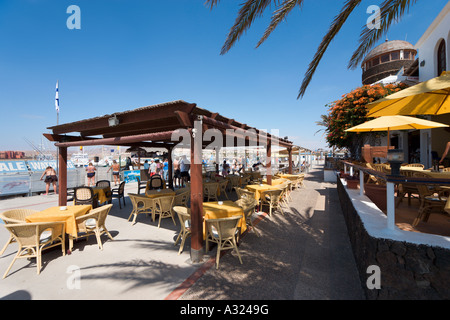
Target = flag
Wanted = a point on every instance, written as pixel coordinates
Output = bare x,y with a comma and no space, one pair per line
57,97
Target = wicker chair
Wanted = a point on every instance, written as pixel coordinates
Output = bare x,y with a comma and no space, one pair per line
233,182
184,214
244,193
85,195
248,205
431,200
14,216
93,223
223,187
141,205
33,238
119,193
223,232
164,207
182,197
141,185
414,165
155,182
210,191
273,199
105,184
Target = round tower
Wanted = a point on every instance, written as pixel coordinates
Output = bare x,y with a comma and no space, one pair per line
387,59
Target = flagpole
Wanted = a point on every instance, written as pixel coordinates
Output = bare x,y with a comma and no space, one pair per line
57,123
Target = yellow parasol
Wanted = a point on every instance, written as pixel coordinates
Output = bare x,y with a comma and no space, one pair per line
388,123
428,97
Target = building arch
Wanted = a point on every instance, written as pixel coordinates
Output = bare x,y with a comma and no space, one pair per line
441,56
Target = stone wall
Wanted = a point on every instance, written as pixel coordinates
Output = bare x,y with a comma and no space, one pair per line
408,271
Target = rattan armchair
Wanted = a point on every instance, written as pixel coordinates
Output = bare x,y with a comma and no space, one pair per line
93,223
431,200
155,182
234,182
33,238
223,187
273,199
210,191
164,207
84,196
141,205
14,216
182,197
223,232
184,215
248,205
244,193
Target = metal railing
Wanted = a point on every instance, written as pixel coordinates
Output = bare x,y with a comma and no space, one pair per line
391,183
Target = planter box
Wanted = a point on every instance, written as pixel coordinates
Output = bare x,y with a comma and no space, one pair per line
376,193
352,184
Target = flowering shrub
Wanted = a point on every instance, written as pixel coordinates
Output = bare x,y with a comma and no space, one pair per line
351,111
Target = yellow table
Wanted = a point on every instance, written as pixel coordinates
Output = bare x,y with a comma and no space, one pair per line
291,176
54,214
258,188
159,193
214,210
101,192
275,182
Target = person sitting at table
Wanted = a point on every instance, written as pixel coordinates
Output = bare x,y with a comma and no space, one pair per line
50,178
447,148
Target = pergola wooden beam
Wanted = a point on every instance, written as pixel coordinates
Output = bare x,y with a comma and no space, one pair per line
155,126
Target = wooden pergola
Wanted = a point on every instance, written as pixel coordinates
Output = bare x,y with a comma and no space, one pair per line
162,126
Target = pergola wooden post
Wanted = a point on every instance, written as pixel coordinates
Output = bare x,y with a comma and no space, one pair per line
290,160
62,179
196,202
269,162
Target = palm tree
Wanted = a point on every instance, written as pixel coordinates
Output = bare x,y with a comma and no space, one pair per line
390,11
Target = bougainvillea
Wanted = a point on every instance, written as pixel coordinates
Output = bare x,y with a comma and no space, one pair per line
351,110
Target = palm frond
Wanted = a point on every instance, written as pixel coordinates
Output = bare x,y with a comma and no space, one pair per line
249,11
212,3
278,16
337,24
391,11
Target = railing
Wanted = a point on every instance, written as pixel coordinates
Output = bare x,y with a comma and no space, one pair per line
391,182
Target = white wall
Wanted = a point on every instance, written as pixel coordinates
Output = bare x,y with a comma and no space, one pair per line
428,44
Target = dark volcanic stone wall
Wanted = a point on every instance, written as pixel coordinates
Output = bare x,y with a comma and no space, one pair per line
408,271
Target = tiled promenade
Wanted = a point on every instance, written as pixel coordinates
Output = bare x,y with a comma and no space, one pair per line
304,254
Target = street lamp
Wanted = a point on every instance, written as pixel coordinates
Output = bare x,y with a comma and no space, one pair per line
395,158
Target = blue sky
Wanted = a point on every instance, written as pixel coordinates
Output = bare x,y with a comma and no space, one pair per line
134,53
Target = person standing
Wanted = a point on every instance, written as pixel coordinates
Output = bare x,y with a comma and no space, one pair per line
90,169
152,169
115,172
184,170
50,178
176,175
166,169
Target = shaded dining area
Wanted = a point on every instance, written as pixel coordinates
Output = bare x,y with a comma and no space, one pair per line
172,125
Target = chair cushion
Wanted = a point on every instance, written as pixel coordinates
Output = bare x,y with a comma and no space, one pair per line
45,236
92,223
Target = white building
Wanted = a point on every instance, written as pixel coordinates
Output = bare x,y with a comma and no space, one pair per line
434,58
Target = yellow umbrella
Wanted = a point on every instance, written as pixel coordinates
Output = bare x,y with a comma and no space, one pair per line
428,97
388,123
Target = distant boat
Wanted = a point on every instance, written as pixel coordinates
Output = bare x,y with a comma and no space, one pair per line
80,159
